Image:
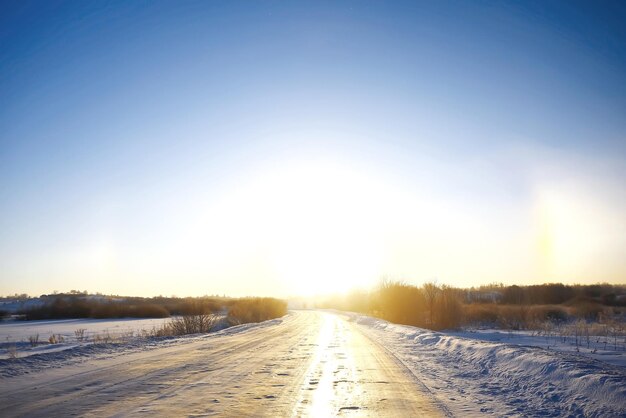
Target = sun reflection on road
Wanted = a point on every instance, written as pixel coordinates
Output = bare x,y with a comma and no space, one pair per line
330,386
320,378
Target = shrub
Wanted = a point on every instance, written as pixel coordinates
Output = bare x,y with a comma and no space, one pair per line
432,306
401,303
447,309
196,306
246,310
192,324
80,306
513,316
80,334
60,308
586,309
121,310
103,338
552,313
481,313
12,351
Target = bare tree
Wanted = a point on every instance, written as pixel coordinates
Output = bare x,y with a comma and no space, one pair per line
431,293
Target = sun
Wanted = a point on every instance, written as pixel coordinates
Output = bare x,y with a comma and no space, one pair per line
325,232
319,222
307,227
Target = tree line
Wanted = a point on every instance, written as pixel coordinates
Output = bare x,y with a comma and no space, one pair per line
437,306
82,305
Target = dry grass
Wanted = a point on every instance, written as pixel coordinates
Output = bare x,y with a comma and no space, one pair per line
193,324
33,340
247,310
514,316
12,352
80,334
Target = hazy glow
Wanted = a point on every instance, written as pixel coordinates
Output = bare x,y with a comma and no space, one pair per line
578,236
310,226
321,401
316,225
297,148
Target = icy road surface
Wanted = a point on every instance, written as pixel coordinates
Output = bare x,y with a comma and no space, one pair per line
307,364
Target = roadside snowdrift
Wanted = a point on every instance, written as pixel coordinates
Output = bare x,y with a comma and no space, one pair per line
62,355
476,377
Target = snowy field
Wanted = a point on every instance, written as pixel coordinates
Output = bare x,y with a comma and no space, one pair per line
480,376
599,347
16,335
313,362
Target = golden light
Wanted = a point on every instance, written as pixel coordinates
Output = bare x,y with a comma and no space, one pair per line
313,225
328,232
573,232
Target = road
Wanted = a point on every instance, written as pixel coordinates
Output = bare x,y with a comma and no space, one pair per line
311,364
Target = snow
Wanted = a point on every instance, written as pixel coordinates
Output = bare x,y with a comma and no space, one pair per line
478,377
598,347
14,333
14,305
15,330
309,360
305,364
49,356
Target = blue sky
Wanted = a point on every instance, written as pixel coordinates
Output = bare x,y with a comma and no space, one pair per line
131,132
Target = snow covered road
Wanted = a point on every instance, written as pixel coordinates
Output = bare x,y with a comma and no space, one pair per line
306,364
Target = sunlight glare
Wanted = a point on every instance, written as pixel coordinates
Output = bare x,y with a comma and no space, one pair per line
325,236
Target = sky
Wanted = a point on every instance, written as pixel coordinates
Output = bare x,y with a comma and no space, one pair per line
294,148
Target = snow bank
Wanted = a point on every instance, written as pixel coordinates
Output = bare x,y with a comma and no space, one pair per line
476,377
35,359
599,347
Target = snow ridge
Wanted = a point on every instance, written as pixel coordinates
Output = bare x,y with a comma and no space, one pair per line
484,378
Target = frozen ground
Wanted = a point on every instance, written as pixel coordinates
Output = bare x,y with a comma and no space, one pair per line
14,335
312,363
305,364
474,377
598,347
